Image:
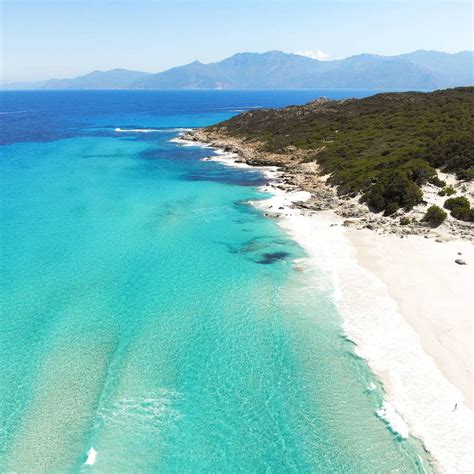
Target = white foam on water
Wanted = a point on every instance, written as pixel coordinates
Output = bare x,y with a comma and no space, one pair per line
152,130
233,160
18,112
91,457
371,387
226,158
395,422
184,142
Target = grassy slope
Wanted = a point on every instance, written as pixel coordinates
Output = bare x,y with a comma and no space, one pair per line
384,146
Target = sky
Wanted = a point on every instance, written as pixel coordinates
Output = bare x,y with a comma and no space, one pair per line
64,38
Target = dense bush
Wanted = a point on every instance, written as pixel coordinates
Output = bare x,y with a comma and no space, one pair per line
453,152
434,216
392,191
460,208
419,171
404,220
465,175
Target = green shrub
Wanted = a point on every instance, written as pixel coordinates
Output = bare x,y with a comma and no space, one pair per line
461,213
460,201
391,208
392,191
419,171
447,191
460,208
404,220
435,181
434,216
465,175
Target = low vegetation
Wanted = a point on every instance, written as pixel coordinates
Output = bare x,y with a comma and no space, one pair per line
460,208
434,216
382,147
447,191
435,181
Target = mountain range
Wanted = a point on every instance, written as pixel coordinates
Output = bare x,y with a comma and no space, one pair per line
277,70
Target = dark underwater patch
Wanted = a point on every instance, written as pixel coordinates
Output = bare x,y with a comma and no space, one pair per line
227,176
271,257
261,250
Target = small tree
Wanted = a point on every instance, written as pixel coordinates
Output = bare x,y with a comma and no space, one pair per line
434,216
460,208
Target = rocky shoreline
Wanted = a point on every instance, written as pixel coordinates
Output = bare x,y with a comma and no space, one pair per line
295,174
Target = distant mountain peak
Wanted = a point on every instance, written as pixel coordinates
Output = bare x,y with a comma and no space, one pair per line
275,69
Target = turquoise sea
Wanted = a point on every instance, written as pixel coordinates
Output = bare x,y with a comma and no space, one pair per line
150,313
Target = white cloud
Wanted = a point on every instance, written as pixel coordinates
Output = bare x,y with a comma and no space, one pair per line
318,54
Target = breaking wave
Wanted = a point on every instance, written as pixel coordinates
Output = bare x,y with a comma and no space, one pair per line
151,130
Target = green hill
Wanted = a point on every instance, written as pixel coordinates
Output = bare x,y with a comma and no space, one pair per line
384,146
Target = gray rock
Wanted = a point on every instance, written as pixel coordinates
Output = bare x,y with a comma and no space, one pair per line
460,262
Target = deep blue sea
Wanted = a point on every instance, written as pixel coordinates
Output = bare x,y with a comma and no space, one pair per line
150,313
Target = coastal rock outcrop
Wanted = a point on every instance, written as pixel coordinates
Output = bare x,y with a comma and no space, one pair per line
398,202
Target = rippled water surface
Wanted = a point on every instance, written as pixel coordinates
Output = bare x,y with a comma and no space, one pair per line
150,312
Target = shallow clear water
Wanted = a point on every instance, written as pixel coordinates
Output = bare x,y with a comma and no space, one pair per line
150,312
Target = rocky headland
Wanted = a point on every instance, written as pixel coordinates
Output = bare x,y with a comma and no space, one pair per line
295,173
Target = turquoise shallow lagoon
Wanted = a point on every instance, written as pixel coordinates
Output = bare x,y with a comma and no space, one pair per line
150,312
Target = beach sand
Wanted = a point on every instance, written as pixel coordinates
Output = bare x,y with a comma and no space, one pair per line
407,306
433,293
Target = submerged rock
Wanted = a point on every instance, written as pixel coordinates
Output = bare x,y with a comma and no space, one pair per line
271,257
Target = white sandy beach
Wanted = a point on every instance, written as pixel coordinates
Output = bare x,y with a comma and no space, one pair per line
433,293
408,307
